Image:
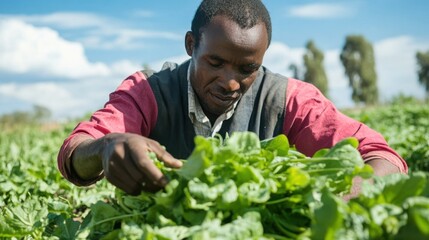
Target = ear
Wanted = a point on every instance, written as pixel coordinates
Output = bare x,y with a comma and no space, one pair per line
189,43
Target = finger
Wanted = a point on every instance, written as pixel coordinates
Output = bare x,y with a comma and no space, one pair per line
163,155
139,176
114,174
120,169
148,186
151,172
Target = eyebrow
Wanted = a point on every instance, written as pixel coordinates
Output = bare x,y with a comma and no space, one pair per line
217,58
253,65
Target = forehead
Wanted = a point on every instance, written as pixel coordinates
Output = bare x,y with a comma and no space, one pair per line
224,31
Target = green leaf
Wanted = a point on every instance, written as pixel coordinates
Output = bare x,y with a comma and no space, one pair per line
328,219
278,144
244,142
172,232
29,217
418,219
68,228
251,192
229,195
170,195
399,187
389,217
198,161
247,226
296,179
249,174
346,153
103,217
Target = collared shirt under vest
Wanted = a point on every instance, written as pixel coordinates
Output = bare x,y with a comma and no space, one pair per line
260,110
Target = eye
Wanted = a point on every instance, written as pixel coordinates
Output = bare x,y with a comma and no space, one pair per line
249,69
216,63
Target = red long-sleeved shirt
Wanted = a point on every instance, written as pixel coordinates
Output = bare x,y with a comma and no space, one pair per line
311,122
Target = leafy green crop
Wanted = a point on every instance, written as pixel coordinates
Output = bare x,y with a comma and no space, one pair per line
237,188
36,202
243,188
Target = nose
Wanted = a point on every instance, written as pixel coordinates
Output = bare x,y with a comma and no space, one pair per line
231,81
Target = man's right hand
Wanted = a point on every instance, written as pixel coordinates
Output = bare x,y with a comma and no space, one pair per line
124,159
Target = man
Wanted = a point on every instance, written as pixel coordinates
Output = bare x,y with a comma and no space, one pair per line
221,89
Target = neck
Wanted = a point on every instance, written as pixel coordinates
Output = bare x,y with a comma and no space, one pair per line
210,116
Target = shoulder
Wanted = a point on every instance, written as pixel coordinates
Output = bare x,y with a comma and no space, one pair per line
134,80
167,67
301,91
272,75
170,73
134,89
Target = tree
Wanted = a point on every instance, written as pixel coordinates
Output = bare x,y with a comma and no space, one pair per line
358,60
315,72
295,70
423,70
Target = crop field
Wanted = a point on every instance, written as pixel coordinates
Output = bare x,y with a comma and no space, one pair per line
235,188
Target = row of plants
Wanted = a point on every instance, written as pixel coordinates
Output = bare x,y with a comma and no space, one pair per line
405,127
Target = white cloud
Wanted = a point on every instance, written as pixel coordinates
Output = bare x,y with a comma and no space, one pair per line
41,52
100,32
28,49
124,67
65,99
320,10
123,38
396,66
279,57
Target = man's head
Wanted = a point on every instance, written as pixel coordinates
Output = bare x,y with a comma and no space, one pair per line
227,48
246,13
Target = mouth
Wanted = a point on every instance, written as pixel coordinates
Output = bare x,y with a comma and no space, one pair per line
226,100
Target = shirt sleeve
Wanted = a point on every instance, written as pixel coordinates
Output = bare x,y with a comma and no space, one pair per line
312,122
131,108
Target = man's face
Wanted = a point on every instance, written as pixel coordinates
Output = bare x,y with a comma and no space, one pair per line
225,63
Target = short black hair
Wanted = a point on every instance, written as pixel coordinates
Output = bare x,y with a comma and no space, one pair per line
246,13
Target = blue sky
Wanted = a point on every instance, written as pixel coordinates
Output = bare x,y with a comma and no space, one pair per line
69,55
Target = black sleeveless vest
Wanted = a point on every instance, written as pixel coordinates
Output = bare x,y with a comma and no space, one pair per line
260,110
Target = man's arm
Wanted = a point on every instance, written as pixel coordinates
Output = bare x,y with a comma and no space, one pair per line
312,122
131,109
381,167
86,159
124,160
